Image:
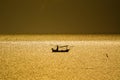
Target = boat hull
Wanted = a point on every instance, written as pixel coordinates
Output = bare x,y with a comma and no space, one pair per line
60,50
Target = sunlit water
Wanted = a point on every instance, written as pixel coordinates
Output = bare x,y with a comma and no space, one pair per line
34,60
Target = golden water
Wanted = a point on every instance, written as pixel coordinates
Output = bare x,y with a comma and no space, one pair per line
29,57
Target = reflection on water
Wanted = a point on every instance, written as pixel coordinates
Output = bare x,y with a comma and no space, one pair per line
47,45
34,60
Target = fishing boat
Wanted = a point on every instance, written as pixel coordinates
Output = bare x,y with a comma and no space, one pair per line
61,49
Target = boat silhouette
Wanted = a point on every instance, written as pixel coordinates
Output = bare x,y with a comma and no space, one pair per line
61,50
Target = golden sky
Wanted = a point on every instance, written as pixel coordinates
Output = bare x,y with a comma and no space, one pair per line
59,16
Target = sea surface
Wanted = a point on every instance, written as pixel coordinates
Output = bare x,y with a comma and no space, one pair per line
29,57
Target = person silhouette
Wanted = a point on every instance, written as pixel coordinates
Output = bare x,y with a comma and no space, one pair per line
57,48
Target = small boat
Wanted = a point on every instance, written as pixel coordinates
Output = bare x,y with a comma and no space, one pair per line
61,50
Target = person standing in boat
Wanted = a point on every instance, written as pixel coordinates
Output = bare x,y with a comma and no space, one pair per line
57,48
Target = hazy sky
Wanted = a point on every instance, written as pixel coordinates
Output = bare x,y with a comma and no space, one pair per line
59,16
